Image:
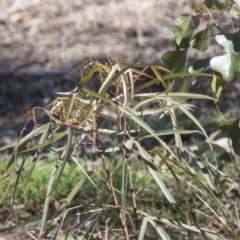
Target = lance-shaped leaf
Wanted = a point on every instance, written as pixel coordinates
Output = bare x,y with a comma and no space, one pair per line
229,64
217,86
183,29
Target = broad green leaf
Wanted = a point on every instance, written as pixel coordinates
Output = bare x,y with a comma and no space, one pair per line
199,66
176,60
183,28
229,64
226,125
201,40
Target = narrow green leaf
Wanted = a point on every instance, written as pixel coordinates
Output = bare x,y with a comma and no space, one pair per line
160,230
112,77
124,186
145,156
70,108
64,157
48,197
143,228
162,185
74,192
145,126
84,172
217,86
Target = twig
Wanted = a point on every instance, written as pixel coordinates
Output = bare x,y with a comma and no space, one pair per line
112,189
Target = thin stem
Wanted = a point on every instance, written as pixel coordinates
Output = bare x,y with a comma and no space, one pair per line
112,189
133,199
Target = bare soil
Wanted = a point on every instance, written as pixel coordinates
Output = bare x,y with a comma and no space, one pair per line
42,41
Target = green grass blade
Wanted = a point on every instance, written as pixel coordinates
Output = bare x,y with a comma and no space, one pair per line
162,185
56,136
48,197
160,230
73,157
145,126
143,228
124,186
74,191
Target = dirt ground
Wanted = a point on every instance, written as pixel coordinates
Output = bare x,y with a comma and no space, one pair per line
43,40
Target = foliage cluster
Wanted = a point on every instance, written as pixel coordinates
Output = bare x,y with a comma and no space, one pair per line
113,122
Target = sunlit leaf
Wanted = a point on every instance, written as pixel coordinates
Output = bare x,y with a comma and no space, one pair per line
229,64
